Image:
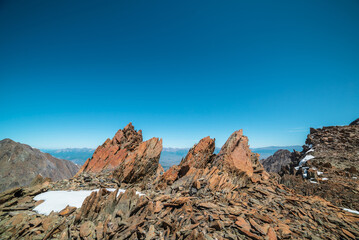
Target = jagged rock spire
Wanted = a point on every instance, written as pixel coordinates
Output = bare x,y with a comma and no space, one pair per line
132,158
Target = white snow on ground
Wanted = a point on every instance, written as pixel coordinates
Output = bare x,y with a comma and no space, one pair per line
310,150
319,173
58,200
305,159
355,178
324,179
313,181
351,211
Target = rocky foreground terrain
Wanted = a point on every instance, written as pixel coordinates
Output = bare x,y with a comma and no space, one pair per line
327,166
20,164
227,195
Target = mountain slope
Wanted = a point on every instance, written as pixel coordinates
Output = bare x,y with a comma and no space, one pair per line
275,162
20,164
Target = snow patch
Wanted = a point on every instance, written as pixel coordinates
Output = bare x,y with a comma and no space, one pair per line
350,210
319,173
310,150
324,179
305,159
313,182
58,200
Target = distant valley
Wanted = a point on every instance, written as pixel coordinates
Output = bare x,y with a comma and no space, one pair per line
76,155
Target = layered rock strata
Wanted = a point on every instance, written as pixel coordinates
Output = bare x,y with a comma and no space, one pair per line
127,156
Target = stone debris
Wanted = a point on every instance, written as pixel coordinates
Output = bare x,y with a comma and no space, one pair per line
207,196
332,172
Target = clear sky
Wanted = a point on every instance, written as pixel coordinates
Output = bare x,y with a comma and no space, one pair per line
73,72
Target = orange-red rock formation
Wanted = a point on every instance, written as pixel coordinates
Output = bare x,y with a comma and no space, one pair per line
234,165
127,155
235,155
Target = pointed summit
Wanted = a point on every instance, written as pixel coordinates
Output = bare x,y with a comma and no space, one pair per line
132,158
235,155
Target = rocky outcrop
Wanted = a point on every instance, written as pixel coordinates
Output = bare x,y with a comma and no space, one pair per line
236,157
327,166
20,164
338,145
141,164
130,159
200,155
235,164
201,198
113,151
278,160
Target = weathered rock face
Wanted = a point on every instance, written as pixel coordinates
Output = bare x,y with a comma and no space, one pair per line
200,155
338,145
235,165
327,166
130,159
142,163
278,160
235,155
113,151
20,164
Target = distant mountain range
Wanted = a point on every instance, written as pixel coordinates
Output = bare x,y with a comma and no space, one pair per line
169,156
76,155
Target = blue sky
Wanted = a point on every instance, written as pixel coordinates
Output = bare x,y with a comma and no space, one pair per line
73,72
